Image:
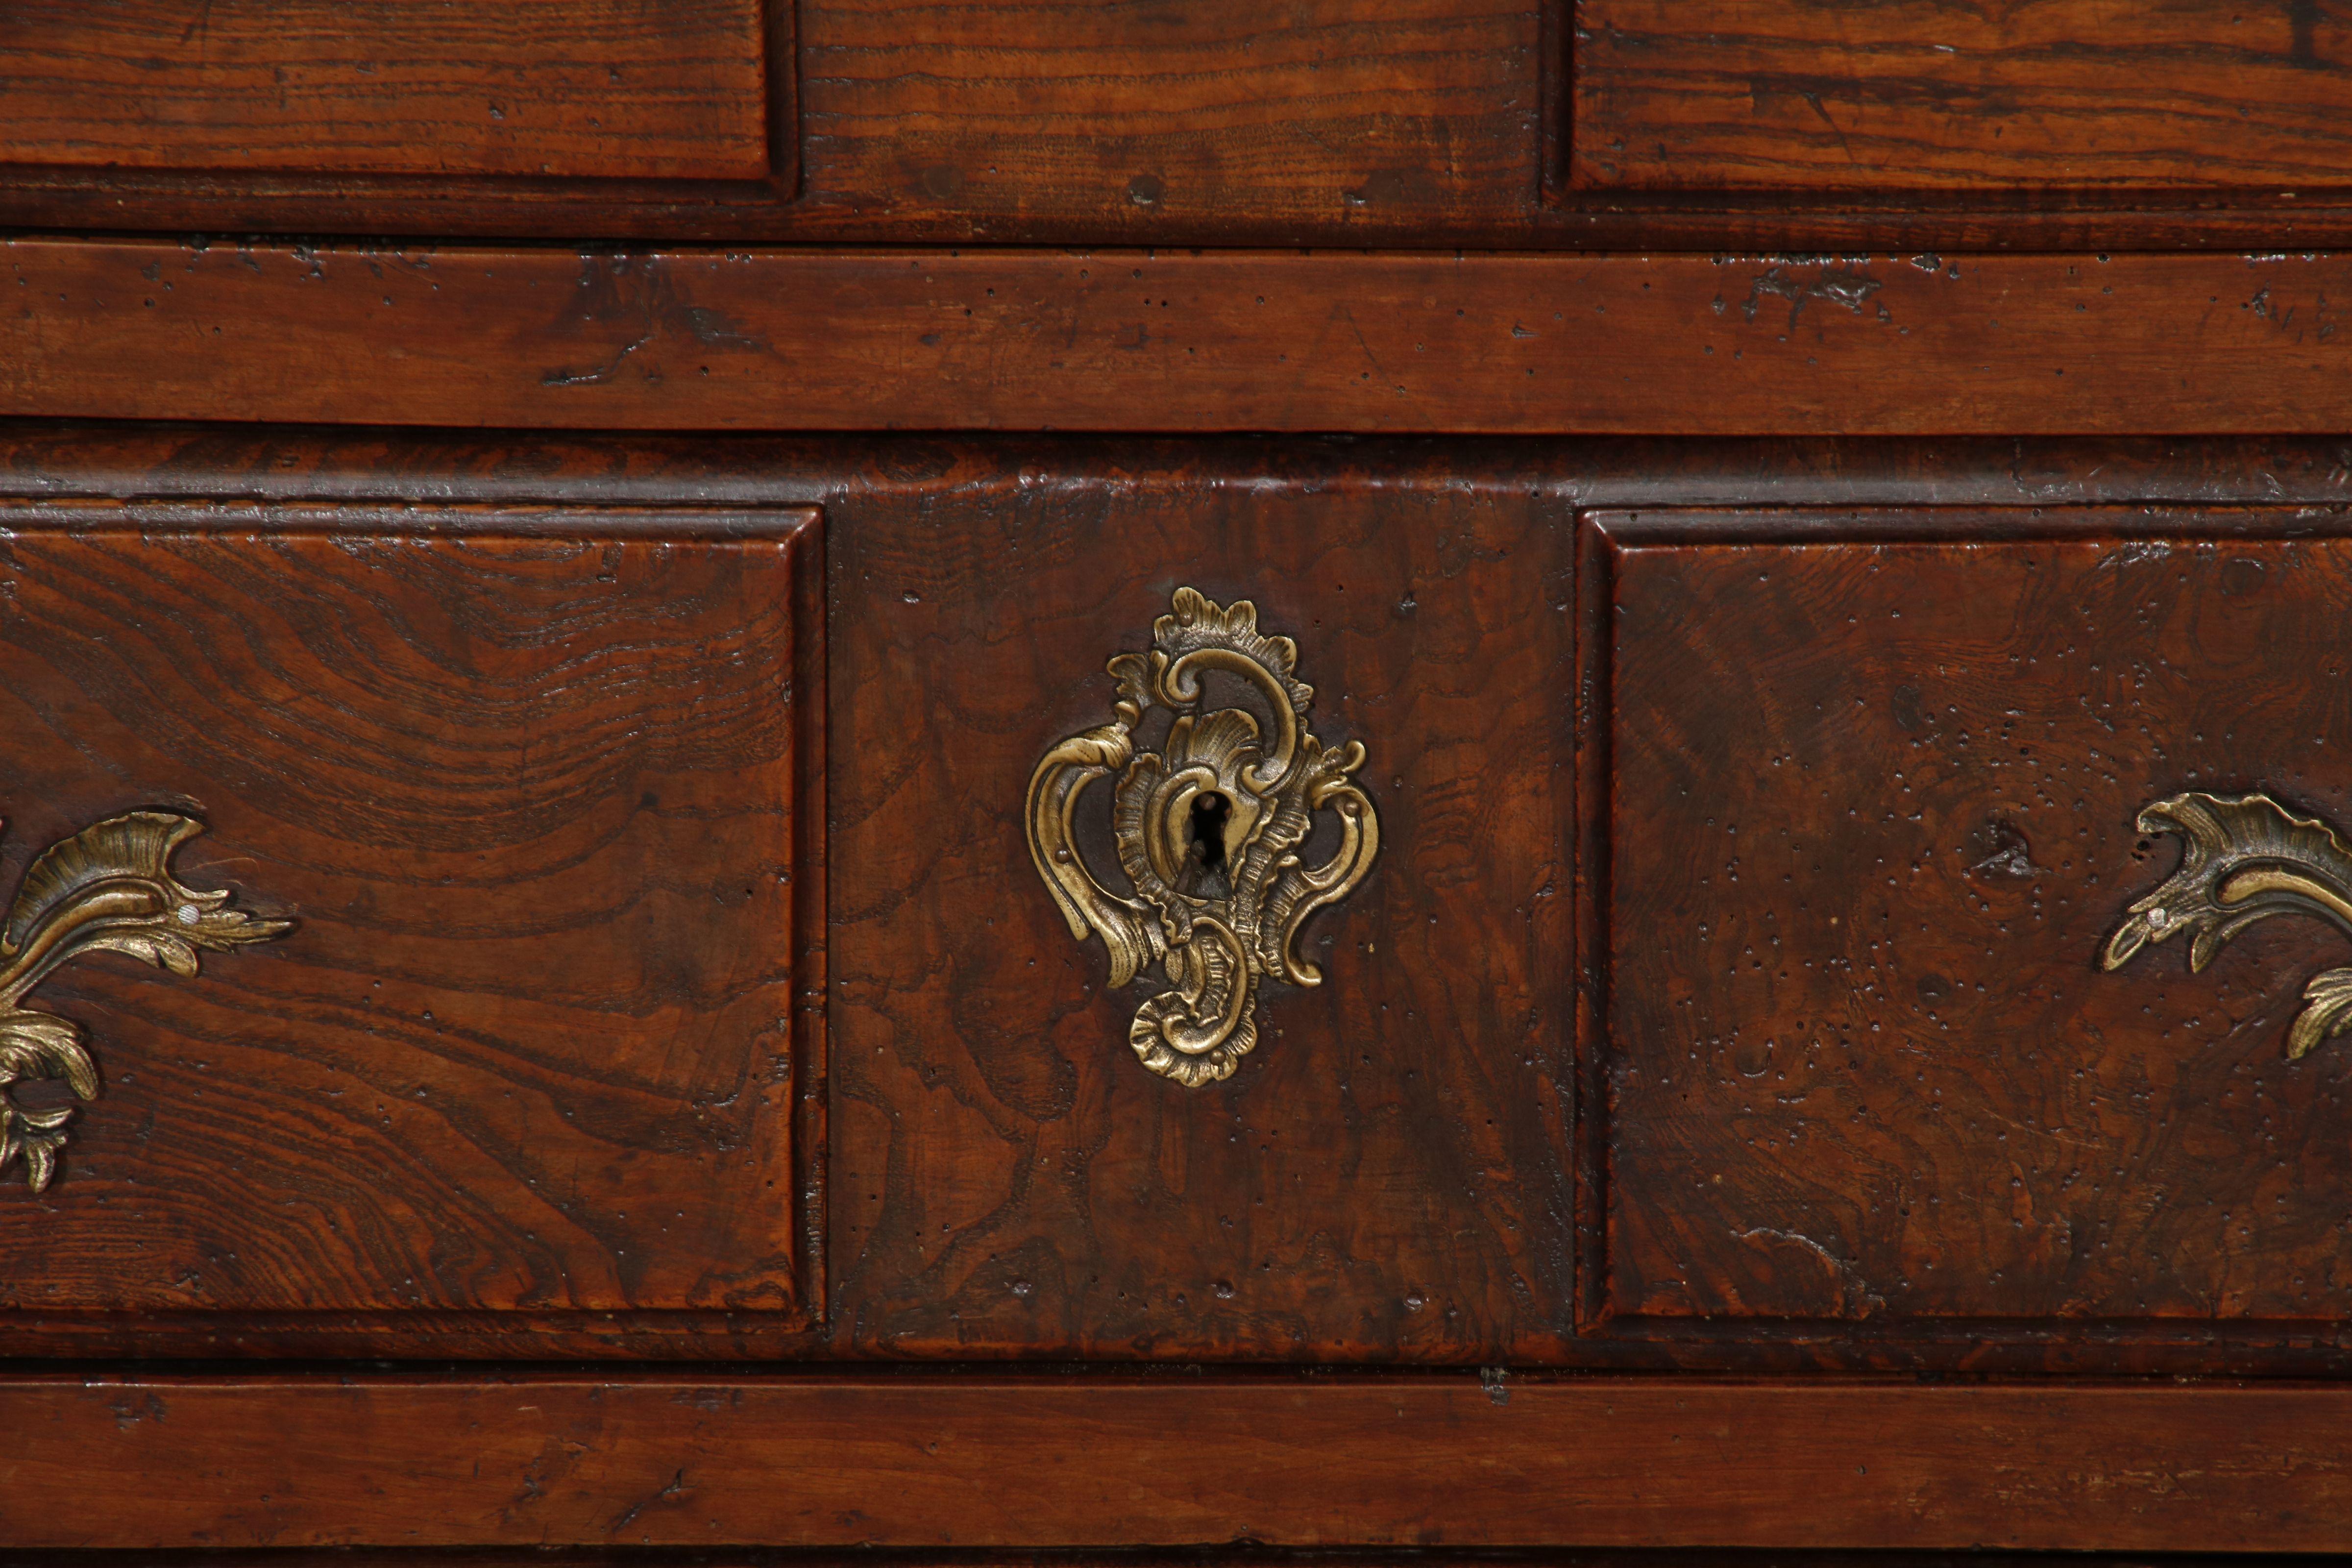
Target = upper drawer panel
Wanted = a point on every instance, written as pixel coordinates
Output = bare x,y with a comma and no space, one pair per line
569,88
973,119
534,798
1924,94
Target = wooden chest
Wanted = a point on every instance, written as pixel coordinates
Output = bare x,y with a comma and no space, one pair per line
1231,782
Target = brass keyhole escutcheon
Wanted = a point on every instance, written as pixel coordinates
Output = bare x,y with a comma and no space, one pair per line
1210,830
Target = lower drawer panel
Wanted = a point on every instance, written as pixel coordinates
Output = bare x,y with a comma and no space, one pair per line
528,789
1838,834
1871,1046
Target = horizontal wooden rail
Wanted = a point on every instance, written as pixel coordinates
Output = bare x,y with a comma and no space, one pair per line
1042,1461
786,340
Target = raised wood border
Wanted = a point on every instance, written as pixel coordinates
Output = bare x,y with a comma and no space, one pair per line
944,1461
532,1334
1191,342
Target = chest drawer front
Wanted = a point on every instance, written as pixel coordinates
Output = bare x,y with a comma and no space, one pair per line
1877,809
534,795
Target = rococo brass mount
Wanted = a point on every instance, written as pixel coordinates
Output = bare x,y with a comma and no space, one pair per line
1208,830
2245,858
108,889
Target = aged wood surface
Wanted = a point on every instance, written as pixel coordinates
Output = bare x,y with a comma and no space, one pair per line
1098,1557
1138,114
1113,1557
1126,1557
263,477
948,1106
938,1462
972,120
1920,94
1386,1174
783,340
535,800
1870,820
648,89
1431,123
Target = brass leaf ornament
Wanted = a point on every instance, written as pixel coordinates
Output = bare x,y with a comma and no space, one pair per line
1209,831
108,889
2245,858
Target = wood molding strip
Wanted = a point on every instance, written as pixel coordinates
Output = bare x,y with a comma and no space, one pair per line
785,340
290,1462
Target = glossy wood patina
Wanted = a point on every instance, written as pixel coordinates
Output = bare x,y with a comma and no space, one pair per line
1866,825
1818,536
1137,341
533,788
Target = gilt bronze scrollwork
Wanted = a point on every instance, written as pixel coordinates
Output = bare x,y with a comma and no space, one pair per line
108,889
1209,831
2245,858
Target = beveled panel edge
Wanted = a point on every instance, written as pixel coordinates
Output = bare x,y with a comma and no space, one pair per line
1973,91
225,512
1985,1344
209,199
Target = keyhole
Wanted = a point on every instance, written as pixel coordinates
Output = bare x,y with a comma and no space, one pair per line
1209,813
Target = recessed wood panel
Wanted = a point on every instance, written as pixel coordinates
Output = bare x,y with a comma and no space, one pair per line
1921,94
1139,116
535,791
1386,1174
565,89
1870,809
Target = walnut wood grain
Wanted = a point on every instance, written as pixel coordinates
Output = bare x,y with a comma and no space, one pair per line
947,518
1869,819
1437,124
783,340
1918,94
266,477
540,799
1386,1174
579,89
1141,114
968,120
944,1462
